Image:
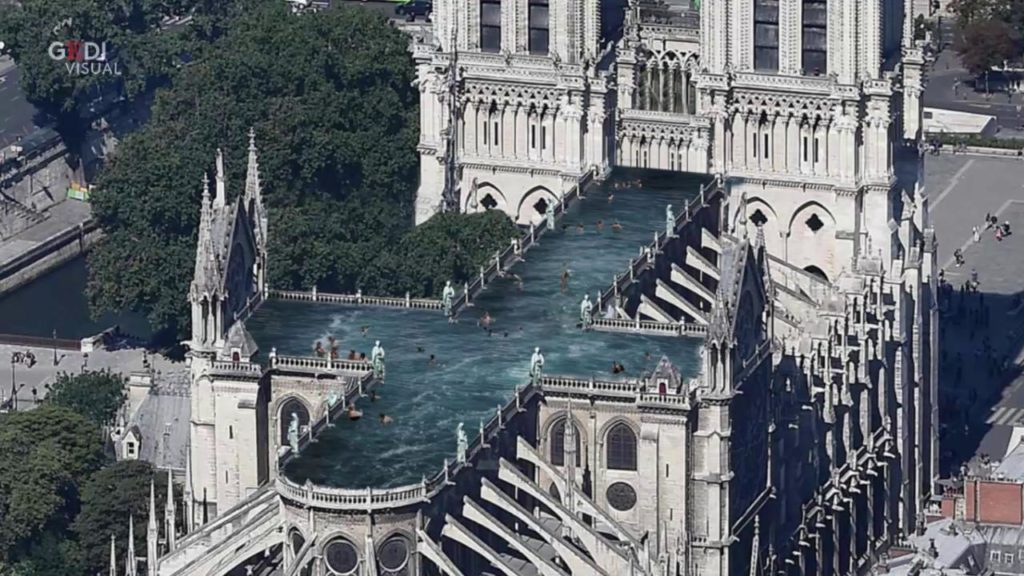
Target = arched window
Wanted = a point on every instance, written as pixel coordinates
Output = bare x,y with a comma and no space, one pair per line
557,455
621,446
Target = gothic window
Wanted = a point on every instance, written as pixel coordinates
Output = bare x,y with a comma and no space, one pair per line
393,556
297,541
765,148
341,557
621,447
538,27
815,37
557,455
758,218
766,35
621,496
490,25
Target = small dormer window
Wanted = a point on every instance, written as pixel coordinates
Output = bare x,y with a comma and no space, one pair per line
131,450
236,355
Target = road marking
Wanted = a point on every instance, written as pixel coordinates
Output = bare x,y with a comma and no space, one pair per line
952,183
970,239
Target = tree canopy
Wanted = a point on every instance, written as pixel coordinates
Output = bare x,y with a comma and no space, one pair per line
335,111
145,54
44,453
97,395
108,498
988,32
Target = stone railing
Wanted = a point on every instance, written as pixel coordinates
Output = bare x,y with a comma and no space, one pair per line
635,390
238,367
368,499
649,327
358,299
372,499
708,192
504,259
314,364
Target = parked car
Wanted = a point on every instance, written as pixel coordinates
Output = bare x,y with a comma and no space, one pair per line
414,8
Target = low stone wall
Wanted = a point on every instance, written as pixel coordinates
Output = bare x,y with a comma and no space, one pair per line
49,254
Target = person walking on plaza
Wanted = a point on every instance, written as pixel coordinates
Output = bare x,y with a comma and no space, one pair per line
977,236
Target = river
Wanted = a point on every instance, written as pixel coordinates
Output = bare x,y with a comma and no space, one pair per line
57,301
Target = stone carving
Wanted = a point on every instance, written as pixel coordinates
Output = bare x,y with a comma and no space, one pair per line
586,308
536,366
549,216
670,221
461,445
446,298
377,359
293,433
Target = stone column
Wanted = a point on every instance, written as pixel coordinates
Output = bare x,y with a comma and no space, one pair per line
672,88
522,127
739,141
685,89
779,142
472,123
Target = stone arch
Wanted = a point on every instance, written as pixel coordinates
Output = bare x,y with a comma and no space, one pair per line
758,210
487,197
533,203
810,238
296,540
287,405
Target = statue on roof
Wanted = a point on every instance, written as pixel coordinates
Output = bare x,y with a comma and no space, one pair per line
461,445
670,221
549,216
293,433
447,296
586,311
377,360
536,366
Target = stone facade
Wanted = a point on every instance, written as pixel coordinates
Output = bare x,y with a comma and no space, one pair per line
807,443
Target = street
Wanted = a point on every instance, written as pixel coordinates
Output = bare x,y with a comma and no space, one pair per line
16,114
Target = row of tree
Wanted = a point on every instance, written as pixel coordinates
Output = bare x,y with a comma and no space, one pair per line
62,495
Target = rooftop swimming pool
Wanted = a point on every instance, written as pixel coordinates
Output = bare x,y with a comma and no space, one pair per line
474,370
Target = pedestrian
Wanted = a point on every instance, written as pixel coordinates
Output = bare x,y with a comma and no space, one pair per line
974,232
988,220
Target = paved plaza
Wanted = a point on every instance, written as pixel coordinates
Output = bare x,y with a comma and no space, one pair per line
43,372
983,333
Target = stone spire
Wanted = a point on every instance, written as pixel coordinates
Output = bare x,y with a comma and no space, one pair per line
220,200
113,557
169,514
152,533
130,561
189,508
252,173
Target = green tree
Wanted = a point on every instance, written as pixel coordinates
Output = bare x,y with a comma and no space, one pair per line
331,98
97,395
44,453
109,496
984,43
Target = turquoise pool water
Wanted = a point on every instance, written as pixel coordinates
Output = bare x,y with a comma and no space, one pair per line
475,371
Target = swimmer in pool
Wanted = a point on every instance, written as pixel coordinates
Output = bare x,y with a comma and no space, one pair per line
354,414
385,419
616,226
600,225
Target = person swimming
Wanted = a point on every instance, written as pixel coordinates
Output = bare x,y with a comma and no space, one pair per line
600,225
364,330
618,368
486,320
616,226
354,414
565,280
385,419
580,228
432,361
352,355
